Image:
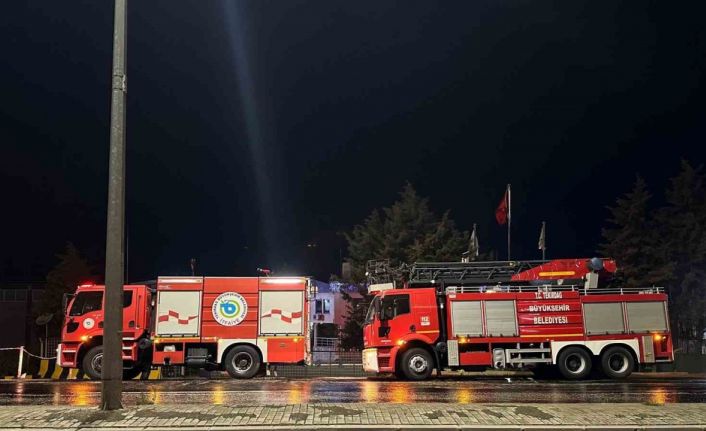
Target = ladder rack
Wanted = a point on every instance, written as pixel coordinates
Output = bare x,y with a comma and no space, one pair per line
468,272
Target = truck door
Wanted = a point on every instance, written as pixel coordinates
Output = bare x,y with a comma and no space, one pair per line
85,315
282,322
134,311
86,312
399,321
178,313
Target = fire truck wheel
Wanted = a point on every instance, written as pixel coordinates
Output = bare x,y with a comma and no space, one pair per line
92,363
242,362
416,364
617,362
574,363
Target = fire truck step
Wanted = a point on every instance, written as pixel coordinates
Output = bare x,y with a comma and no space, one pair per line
527,350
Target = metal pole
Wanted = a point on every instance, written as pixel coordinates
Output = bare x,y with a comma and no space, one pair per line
112,366
127,253
509,219
19,362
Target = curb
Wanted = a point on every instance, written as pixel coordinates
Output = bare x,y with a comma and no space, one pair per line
414,427
49,370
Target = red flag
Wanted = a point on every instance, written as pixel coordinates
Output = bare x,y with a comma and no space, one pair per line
502,210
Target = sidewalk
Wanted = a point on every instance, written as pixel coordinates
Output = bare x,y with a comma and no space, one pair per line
360,416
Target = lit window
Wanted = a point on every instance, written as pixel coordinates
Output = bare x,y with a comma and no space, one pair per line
323,306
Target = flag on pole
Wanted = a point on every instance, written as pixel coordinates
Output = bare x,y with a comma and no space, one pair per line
542,244
473,248
501,213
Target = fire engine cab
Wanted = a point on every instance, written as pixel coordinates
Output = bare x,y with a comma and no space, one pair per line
537,314
238,324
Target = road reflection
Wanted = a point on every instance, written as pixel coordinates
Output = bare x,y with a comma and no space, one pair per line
464,396
299,393
155,396
370,392
83,394
19,392
399,392
258,392
217,395
658,396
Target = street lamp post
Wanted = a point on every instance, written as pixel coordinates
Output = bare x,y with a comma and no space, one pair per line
112,363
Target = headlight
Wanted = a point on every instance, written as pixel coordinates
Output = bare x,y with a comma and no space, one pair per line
370,360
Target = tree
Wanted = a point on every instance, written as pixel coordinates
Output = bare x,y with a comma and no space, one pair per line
666,247
71,270
406,232
682,225
633,241
356,310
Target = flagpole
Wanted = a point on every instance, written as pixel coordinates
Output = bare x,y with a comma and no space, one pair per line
509,219
475,243
544,243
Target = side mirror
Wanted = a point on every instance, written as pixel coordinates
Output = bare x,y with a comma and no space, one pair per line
65,298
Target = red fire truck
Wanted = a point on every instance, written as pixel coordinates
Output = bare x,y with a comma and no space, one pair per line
514,315
234,323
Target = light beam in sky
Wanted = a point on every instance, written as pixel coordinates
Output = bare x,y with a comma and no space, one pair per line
262,161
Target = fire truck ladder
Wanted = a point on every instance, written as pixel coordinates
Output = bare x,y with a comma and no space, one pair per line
467,273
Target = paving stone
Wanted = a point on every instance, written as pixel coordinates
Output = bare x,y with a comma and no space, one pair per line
453,416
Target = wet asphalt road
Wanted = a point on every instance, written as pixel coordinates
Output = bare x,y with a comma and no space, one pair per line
274,391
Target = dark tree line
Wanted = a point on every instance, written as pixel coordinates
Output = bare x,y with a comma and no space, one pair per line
654,245
407,231
71,270
664,245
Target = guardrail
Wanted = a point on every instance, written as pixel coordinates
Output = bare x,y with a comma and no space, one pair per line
326,342
21,352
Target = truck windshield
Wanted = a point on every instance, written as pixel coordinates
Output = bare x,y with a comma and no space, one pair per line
374,304
85,302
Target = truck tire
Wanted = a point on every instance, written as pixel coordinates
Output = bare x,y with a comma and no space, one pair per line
242,362
574,363
416,364
617,362
92,363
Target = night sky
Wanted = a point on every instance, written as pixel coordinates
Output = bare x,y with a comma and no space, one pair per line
258,127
